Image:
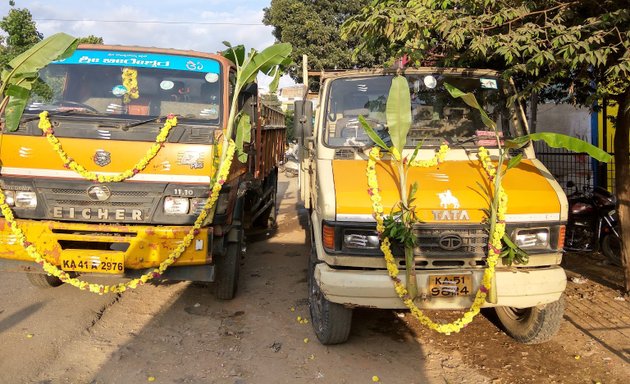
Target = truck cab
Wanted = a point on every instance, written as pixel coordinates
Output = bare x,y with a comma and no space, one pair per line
347,268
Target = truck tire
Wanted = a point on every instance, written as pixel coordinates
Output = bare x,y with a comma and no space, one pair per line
331,321
532,325
227,270
611,248
43,280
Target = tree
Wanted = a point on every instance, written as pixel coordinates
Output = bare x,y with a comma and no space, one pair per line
91,39
21,33
583,45
312,28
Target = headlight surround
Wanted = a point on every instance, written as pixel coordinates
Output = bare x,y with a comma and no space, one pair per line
24,199
9,198
176,205
532,238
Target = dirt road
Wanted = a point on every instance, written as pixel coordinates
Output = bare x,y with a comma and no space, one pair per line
178,333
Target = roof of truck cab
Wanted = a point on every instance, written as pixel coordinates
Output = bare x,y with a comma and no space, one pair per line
169,51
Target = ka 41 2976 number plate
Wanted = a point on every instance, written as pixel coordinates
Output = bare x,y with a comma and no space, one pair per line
95,264
450,285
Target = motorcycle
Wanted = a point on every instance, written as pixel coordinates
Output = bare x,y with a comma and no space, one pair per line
593,223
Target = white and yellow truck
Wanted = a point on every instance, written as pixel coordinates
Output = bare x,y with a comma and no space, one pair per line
347,268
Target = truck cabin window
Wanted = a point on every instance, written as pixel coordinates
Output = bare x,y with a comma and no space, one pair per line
436,116
129,90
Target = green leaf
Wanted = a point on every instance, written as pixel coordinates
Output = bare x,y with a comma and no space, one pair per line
21,72
234,54
370,132
264,61
59,45
513,162
243,135
273,86
13,112
557,140
471,100
398,112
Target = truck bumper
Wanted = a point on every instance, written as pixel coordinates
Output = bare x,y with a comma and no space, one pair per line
374,288
139,246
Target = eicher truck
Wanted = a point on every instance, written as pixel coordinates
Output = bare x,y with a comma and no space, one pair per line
347,268
155,118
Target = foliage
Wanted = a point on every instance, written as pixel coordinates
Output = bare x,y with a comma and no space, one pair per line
21,33
312,27
576,42
289,115
20,74
270,61
91,39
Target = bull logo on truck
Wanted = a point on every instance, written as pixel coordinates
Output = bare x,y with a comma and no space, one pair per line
448,200
102,158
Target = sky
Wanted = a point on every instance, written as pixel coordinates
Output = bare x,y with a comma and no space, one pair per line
200,25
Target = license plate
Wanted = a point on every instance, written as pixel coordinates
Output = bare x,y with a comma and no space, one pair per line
94,263
450,285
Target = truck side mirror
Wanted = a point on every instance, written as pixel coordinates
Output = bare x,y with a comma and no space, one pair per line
303,120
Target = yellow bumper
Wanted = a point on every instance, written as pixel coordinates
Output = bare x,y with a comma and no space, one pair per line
141,246
375,289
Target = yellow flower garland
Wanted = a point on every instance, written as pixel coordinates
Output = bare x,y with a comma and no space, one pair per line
53,270
68,162
130,81
494,245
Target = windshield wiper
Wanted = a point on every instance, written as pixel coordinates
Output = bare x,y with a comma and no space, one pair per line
125,127
65,112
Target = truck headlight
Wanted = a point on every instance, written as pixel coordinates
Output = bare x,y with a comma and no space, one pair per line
176,205
357,239
531,238
25,199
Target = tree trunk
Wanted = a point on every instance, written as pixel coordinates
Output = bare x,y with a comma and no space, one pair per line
622,180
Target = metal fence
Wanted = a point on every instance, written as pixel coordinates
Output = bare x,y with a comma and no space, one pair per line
580,168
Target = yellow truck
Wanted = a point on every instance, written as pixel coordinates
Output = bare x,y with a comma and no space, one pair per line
347,267
107,105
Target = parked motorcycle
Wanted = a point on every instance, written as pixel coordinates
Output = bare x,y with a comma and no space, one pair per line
593,223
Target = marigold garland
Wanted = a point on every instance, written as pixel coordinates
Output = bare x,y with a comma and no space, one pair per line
494,245
68,162
53,270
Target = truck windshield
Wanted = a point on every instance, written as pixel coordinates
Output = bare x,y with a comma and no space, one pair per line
130,84
436,115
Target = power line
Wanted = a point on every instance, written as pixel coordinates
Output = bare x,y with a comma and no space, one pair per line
151,22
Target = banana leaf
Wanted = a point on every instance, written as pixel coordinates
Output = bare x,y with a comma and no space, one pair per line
264,61
243,135
471,100
557,140
398,112
372,134
21,72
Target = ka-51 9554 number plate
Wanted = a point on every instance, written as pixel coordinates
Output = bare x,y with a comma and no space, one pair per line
450,285
114,263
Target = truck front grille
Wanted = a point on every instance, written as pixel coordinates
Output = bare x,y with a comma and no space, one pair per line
450,246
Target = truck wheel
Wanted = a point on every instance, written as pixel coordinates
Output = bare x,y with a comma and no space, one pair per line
227,269
532,325
611,248
42,280
331,321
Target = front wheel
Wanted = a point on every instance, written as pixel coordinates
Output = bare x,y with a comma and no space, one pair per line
611,248
331,321
42,280
227,269
532,325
